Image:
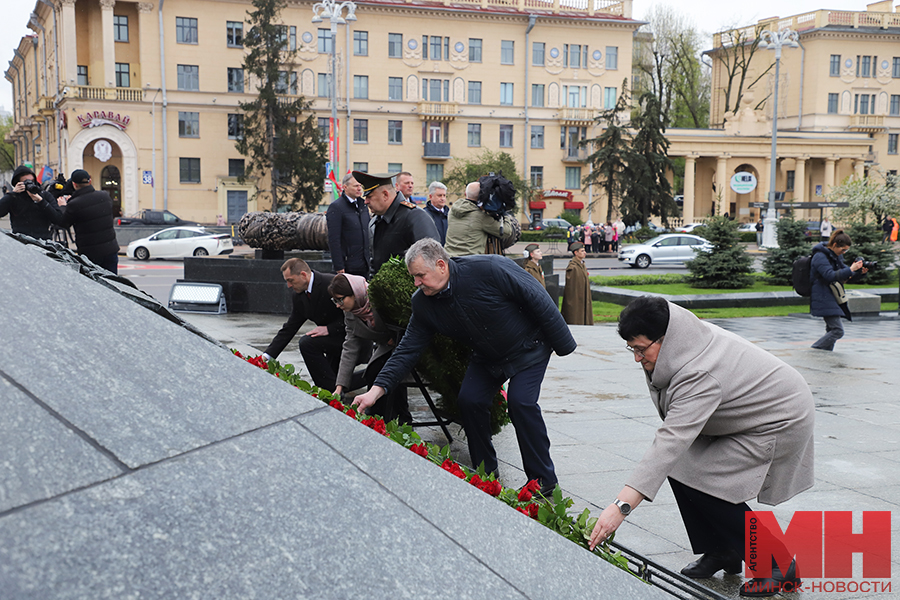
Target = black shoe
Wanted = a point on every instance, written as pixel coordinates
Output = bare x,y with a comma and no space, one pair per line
761,587
709,564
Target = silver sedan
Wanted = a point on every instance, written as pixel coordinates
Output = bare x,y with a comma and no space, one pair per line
664,249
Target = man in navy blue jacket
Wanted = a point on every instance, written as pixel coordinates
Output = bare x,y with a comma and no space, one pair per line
348,230
512,325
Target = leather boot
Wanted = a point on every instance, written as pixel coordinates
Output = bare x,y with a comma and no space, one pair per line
760,587
709,564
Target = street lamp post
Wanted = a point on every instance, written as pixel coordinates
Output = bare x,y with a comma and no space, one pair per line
333,11
774,41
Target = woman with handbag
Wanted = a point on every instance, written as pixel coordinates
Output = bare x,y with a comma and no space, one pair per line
827,297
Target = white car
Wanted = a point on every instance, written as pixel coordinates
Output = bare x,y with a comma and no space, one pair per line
689,227
747,227
664,250
177,242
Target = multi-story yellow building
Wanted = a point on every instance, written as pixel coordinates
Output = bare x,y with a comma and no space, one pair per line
144,95
838,113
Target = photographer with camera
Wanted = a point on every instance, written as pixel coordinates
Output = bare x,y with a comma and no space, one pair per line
31,211
827,297
481,222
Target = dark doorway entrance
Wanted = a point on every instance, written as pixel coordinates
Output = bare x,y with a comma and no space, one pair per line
110,182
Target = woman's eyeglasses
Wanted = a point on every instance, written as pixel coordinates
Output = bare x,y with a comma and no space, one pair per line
641,351
339,301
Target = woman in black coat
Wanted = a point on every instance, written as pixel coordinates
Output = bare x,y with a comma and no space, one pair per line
829,273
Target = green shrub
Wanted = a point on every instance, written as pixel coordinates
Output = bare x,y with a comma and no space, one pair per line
727,265
867,245
792,244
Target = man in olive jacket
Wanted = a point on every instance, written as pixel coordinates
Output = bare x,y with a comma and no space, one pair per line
90,211
492,305
577,308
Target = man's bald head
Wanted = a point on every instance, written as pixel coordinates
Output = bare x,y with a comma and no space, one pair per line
472,191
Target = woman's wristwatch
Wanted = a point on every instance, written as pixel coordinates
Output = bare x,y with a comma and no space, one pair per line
624,507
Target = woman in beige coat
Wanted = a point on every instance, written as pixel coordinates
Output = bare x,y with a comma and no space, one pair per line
737,425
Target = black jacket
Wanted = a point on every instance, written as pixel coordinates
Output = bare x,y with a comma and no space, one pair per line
400,227
314,305
91,213
348,235
27,216
439,216
492,305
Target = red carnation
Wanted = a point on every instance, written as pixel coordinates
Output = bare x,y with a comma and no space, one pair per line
351,413
420,449
454,468
337,405
476,480
492,487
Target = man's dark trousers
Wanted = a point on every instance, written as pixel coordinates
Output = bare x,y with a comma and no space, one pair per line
322,356
475,397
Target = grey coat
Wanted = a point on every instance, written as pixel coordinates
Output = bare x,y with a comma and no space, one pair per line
737,421
358,337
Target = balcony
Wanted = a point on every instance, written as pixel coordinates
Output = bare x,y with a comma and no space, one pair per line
437,111
437,151
867,123
574,155
86,92
576,116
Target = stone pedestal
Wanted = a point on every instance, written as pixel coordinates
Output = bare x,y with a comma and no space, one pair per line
862,304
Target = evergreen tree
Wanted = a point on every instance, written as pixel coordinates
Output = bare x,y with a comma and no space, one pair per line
867,246
648,191
279,136
792,244
465,172
727,265
610,157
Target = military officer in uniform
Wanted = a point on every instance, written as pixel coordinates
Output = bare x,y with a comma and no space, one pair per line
533,264
398,223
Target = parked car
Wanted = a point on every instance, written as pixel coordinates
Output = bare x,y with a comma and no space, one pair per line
688,228
154,217
665,249
747,227
548,223
177,242
651,225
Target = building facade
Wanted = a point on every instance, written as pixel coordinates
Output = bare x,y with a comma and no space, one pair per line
838,113
144,95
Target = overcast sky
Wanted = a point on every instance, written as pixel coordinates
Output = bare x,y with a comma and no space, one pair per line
708,15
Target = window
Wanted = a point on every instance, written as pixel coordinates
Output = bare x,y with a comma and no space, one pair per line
395,132
360,43
609,97
433,173
235,80
234,34
612,57
572,55
436,45
863,66
537,136
188,124
474,135
324,85
292,39
123,75
506,136
474,92
324,126
120,28
789,183
325,41
282,36
474,50
361,166
537,54
895,105
395,88
573,178
575,96
395,45
287,83
834,69
832,104
506,94
537,94
235,126
507,52
395,167
436,90
361,87
186,30
189,170
235,167
188,78
361,131
895,70
892,143
82,74
864,104
537,177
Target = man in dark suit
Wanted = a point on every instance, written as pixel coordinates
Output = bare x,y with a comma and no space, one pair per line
321,347
348,230
91,213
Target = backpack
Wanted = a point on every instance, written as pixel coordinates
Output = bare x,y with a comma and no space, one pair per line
800,275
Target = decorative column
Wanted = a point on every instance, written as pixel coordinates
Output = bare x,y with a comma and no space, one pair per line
721,184
68,49
148,39
829,175
800,179
859,168
690,166
109,43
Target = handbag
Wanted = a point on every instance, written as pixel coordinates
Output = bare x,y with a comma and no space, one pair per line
837,288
